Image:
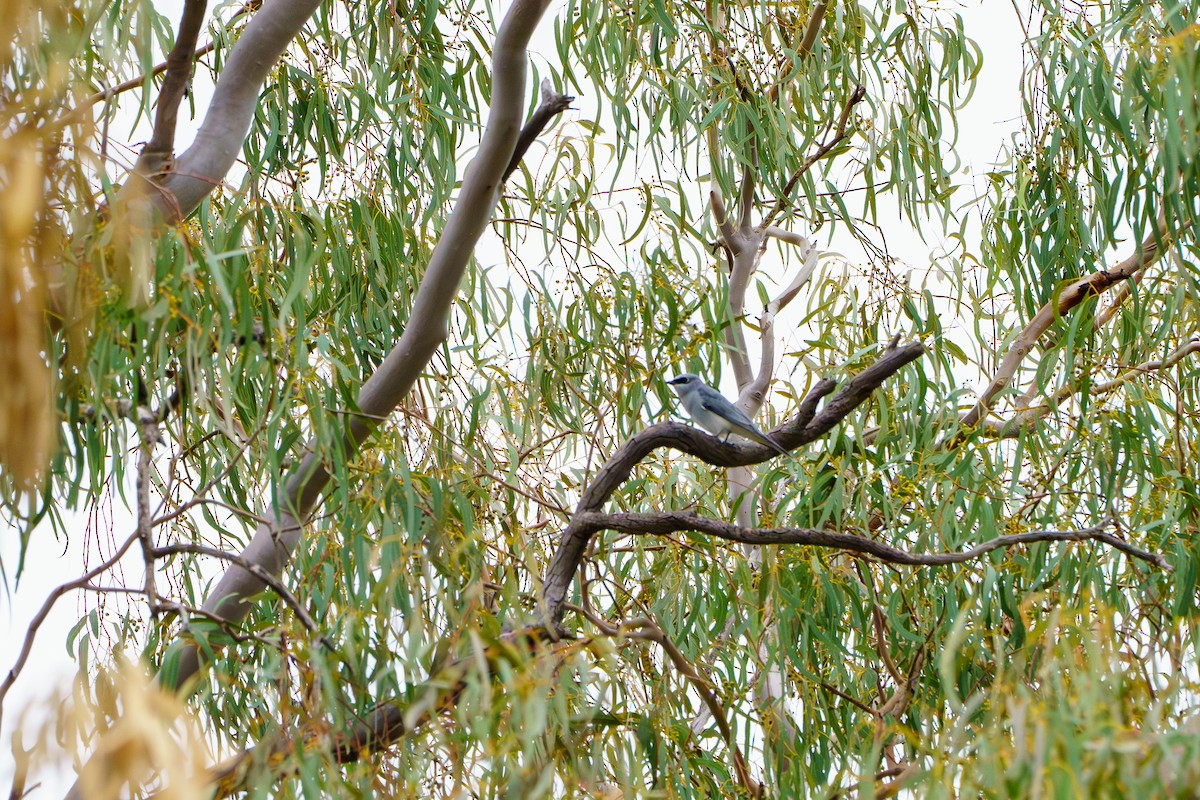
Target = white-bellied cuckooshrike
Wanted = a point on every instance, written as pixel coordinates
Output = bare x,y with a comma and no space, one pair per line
709,409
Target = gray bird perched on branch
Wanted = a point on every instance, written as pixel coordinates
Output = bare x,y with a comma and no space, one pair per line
709,409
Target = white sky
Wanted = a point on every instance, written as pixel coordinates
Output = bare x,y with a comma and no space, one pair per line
985,125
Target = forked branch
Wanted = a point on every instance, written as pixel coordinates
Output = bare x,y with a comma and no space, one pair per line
840,133
159,151
806,426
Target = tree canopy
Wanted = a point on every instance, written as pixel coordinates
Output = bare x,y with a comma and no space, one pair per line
377,365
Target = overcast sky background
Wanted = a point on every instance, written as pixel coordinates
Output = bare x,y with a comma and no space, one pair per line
985,126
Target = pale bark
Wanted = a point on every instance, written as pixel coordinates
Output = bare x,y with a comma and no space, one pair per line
1060,304
202,167
272,545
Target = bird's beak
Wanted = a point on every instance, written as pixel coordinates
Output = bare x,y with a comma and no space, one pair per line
675,380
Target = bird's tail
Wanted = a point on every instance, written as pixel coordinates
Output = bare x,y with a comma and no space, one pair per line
762,438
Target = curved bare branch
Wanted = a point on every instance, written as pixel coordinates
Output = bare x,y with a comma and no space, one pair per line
668,522
806,426
40,617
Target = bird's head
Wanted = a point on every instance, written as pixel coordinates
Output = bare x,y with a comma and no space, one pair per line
683,383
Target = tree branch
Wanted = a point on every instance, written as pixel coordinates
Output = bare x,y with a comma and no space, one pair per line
1068,299
1126,290
745,260
1118,300
784,235
753,394
257,571
668,522
746,191
785,198
159,151
150,435
810,258
813,29
551,106
806,426
140,80
720,215
744,243
125,86
272,545
858,389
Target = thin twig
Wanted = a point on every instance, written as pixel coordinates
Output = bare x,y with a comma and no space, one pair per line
125,86
785,197
199,496
254,569
40,617
860,705
198,500
647,629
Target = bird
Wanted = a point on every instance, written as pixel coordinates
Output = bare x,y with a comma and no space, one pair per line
709,409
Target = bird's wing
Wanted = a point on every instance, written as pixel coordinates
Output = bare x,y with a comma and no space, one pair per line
740,422
723,408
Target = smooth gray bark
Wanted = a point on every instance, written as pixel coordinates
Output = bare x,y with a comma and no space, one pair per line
202,167
272,545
